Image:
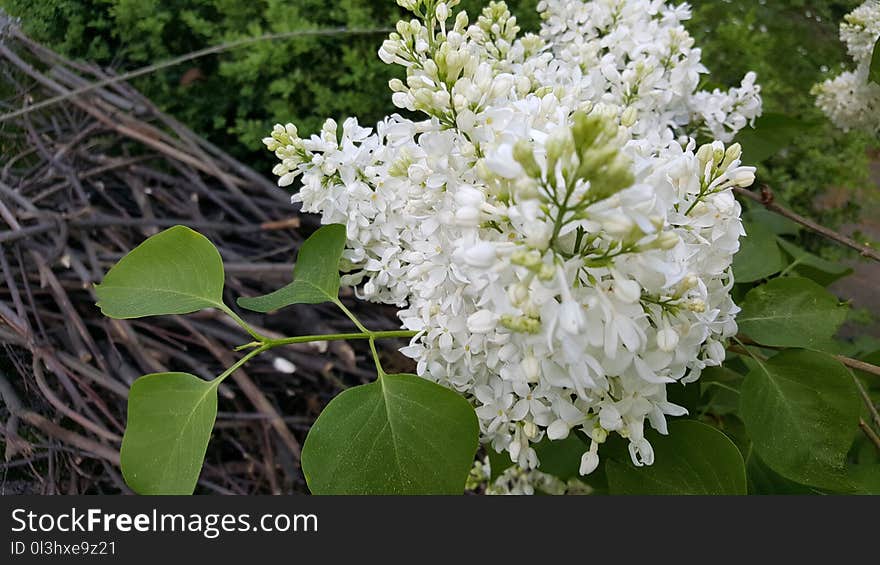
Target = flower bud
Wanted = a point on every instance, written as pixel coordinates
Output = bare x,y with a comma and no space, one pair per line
733,153
628,291
558,430
529,259
517,294
481,322
589,463
532,368
666,240
482,255
667,339
522,152
599,434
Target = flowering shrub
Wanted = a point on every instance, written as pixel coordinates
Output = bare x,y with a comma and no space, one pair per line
561,246
852,99
562,253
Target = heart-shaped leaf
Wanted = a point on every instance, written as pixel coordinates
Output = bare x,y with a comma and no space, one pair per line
177,271
399,435
693,459
801,411
170,418
315,275
791,312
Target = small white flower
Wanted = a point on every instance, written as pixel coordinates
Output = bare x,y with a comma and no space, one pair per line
481,322
559,429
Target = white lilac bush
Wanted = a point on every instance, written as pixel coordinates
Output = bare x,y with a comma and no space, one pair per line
852,99
550,227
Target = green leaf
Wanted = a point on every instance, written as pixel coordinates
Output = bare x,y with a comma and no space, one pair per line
780,225
874,71
790,312
765,481
865,478
177,271
719,387
812,266
759,257
315,275
693,459
772,133
801,410
498,462
562,458
399,435
170,418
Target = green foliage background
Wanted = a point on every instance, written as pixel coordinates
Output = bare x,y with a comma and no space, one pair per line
236,97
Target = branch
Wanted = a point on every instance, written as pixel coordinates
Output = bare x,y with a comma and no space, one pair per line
766,199
870,433
848,361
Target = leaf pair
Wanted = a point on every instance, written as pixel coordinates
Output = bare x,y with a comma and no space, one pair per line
179,271
401,434
171,415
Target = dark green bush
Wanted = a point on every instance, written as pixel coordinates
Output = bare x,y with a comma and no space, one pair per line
236,97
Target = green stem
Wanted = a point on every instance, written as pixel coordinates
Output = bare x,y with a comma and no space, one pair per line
791,267
235,366
351,316
336,337
376,360
238,320
272,343
264,343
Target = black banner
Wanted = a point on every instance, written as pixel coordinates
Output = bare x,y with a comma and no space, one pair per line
288,529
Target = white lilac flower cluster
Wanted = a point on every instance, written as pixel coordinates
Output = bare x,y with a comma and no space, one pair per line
518,481
851,100
551,228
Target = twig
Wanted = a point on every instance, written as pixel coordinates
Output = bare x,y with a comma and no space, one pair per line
875,416
870,433
848,361
859,365
72,438
766,199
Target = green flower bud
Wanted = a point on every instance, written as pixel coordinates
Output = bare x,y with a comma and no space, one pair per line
523,154
733,153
